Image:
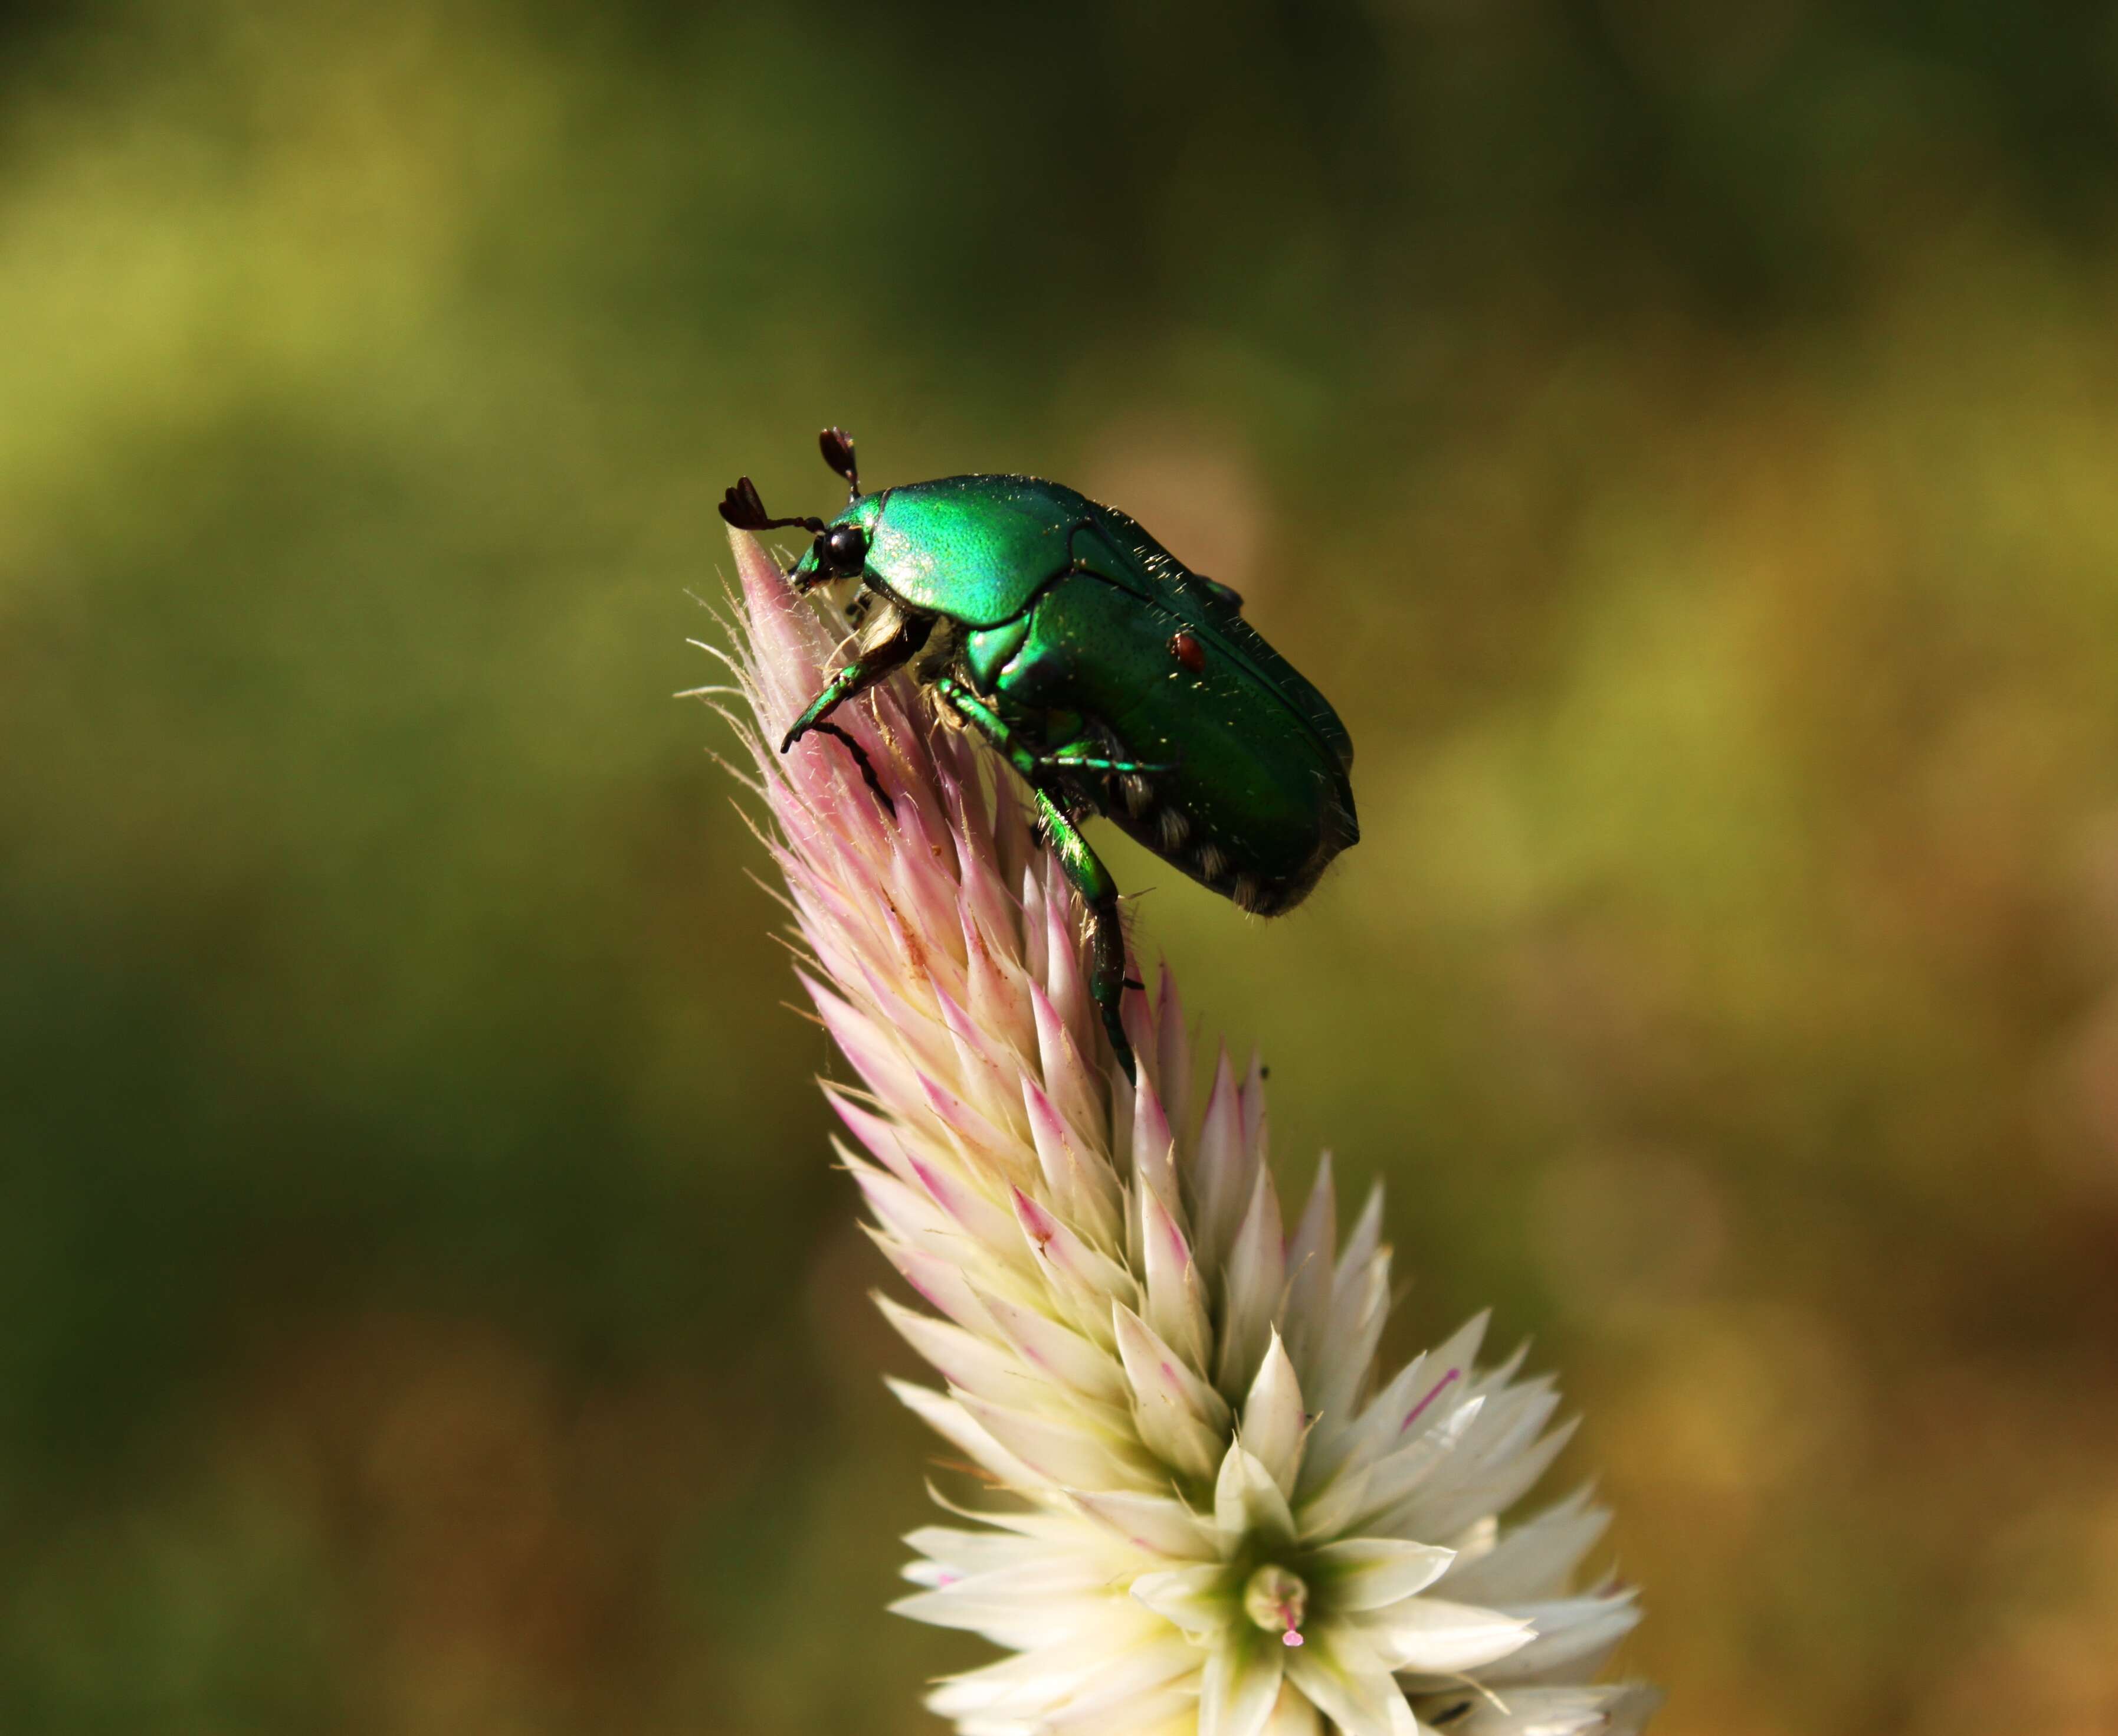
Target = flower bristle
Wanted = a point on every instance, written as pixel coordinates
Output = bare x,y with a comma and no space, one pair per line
1205,1510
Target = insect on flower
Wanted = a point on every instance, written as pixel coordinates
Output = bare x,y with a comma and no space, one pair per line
1202,1505
1115,679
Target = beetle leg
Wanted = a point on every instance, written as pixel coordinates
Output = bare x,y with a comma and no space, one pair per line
973,711
1065,759
1083,867
855,679
1106,959
860,759
1028,761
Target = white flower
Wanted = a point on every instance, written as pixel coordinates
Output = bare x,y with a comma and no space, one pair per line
1207,1512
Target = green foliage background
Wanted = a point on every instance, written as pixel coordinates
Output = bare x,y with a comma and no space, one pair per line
1682,439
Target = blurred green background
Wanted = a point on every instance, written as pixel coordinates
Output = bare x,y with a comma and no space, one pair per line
1683,440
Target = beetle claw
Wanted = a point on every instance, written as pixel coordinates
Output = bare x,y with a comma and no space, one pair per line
859,753
866,765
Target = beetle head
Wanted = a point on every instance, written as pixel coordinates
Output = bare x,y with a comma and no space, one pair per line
840,553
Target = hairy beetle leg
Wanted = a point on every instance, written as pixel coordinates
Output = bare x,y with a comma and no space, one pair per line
1083,868
855,679
1106,959
860,759
1029,761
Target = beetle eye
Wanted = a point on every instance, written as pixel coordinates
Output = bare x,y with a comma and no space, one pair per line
844,550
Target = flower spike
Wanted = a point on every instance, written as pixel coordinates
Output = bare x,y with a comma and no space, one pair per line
1207,1513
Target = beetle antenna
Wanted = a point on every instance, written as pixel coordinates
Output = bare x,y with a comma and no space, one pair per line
741,506
837,446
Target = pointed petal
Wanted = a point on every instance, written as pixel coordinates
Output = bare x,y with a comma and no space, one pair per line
1273,1424
877,1133
964,1553
1154,1147
901,1209
1360,1304
1293,1714
1182,1420
1054,1349
1309,1272
965,1361
1199,1600
1070,1456
1065,1685
1256,1274
957,1115
1346,1683
1068,1083
1366,1241
1331,1511
1241,1686
1084,1280
1069,990
949,1420
1621,1709
939,1280
1176,1305
1374,1572
1159,1523
991,1225
1221,1174
882,1068
1535,1559
1492,1490
1460,1349
1432,1638
993,989
1157,1709
1394,1483
991,1071
1247,1501
1082,1186
1574,1635
1035,932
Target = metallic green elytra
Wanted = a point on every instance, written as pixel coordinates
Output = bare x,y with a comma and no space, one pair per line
1111,677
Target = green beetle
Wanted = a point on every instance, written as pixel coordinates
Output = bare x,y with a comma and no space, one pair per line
1111,677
